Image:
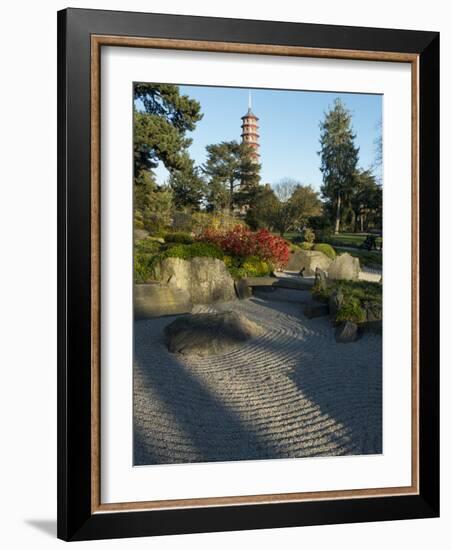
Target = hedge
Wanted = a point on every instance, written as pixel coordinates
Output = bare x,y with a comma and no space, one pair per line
326,249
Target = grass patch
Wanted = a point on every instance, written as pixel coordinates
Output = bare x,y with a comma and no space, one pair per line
350,239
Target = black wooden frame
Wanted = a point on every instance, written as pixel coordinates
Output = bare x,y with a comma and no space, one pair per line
75,520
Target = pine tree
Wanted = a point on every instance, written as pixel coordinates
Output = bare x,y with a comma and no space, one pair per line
187,187
339,158
232,175
162,116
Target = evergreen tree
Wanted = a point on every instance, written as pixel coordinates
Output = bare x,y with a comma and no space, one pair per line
152,203
161,119
339,158
162,116
366,201
232,175
187,187
262,208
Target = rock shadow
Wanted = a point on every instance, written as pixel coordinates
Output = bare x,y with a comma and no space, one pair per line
212,431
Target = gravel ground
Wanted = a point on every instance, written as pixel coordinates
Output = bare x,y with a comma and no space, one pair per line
292,392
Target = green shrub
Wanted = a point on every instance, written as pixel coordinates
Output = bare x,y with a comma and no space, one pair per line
142,267
306,246
232,261
326,249
206,250
148,245
188,251
237,272
160,234
357,297
351,310
322,293
228,260
138,223
179,237
255,267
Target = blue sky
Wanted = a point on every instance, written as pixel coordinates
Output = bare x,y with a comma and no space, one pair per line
289,127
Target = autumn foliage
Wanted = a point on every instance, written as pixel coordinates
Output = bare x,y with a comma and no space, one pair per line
241,241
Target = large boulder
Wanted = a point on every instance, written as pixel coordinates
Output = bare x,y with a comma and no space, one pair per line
156,300
306,261
344,266
207,280
208,334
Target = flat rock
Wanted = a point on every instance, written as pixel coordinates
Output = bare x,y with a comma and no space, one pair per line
156,300
345,267
207,334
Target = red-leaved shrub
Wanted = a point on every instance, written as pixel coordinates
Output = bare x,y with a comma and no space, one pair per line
240,241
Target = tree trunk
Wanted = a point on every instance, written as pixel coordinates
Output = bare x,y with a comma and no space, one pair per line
231,196
361,223
337,219
353,219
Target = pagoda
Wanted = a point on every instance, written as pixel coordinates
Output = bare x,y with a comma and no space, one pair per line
249,132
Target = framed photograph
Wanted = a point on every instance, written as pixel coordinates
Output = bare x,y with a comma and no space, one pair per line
248,274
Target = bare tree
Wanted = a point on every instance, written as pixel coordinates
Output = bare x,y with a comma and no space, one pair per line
296,204
285,188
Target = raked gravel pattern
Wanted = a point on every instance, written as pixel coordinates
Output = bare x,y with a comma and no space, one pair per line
292,392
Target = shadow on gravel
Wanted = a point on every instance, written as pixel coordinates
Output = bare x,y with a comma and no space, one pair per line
215,431
352,397
344,380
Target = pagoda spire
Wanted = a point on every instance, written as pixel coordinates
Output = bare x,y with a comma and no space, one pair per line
249,130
